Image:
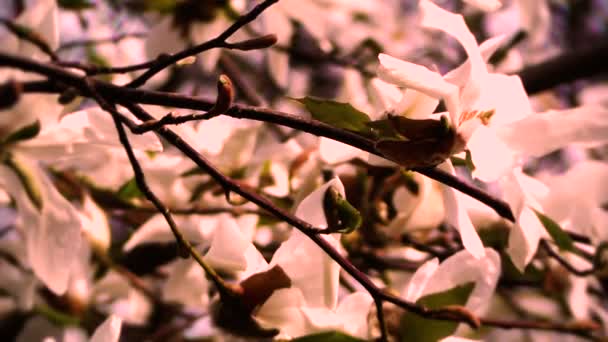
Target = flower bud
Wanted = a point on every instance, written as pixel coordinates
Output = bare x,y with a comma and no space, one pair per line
256,43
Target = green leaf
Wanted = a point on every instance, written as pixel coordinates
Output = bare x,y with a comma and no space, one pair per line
561,238
337,114
129,190
341,216
330,336
24,133
417,328
76,4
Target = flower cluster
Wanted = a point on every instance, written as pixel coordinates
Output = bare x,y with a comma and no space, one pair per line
156,181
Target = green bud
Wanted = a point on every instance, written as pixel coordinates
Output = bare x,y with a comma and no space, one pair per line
341,216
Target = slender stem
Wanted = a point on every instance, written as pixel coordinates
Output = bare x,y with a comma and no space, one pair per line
220,41
567,265
140,178
128,95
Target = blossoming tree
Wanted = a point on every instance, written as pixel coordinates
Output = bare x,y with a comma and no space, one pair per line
311,171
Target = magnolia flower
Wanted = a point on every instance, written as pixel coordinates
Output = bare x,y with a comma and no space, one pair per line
433,277
310,304
50,224
470,91
496,128
419,210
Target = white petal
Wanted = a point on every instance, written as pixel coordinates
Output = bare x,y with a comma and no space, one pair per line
587,125
577,298
333,152
311,207
456,215
95,224
524,238
321,319
414,76
211,135
309,269
525,234
108,331
490,155
433,16
228,247
415,287
416,105
461,268
353,91
196,229
459,75
282,311
178,287
53,234
383,95
353,311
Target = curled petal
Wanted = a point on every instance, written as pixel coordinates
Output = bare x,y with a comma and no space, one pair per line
310,269
411,75
311,207
282,311
415,287
586,125
456,215
433,16
524,238
227,251
53,233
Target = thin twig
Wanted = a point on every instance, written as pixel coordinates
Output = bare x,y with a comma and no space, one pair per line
98,89
567,265
220,41
140,178
29,35
129,95
310,231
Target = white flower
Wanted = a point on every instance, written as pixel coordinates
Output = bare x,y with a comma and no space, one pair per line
458,269
311,303
52,231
